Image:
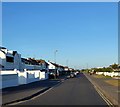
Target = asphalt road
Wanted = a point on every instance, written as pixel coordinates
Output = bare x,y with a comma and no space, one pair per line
73,91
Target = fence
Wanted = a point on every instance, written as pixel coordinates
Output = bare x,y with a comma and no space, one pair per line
112,74
15,77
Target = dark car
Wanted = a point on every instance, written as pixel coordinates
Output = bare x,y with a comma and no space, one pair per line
52,75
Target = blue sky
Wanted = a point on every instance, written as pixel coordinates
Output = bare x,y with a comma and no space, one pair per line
85,34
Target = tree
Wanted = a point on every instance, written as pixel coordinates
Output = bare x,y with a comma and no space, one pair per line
114,66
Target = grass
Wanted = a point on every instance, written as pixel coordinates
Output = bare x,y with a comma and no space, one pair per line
113,82
101,76
110,81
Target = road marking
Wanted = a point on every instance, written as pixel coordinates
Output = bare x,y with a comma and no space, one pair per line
100,93
105,99
35,96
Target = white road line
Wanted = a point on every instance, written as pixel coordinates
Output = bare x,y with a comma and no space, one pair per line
100,93
105,99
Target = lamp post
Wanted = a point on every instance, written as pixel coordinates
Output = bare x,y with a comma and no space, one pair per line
55,55
55,62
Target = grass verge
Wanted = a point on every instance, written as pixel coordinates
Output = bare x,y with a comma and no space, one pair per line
101,76
113,82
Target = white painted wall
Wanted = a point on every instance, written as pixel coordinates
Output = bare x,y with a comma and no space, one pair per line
22,77
51,66
2,58
42,76
16,77
66,69
112,74
8,78
30,67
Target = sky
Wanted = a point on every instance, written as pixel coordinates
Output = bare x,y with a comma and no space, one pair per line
84,33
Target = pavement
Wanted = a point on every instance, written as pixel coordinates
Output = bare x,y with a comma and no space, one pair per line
24,92
109,91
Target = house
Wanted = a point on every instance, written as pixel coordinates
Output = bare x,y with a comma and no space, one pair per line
43,65
30,64
53,69
34,64
66,68
9,60
56,68
61,70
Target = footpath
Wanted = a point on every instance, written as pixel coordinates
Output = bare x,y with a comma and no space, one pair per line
111,92
27,91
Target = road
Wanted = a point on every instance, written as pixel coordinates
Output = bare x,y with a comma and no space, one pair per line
73,91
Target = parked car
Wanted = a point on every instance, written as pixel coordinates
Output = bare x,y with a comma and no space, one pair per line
51,75
72,74
68,76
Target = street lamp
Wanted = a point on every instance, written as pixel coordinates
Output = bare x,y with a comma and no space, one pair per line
55,62
55,55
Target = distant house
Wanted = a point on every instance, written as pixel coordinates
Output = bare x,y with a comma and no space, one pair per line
66,68
44,66
71,69
61,69
34,64
53,68
9,60
56,68
30,64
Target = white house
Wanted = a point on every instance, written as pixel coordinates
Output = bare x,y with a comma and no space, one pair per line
9,60
33,64
15,70
66,68
53,67
30,64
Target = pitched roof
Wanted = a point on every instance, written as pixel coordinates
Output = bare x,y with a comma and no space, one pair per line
54,64
40,61
33,61
2,47
57,65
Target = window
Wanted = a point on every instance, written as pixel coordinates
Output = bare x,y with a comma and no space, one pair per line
9,59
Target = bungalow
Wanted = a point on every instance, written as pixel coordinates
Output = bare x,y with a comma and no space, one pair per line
43,65
66,68
26,64
30,64
56,69
53,69
34,64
